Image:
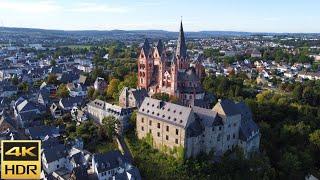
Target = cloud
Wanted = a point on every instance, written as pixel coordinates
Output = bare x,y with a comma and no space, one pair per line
96,8
33,7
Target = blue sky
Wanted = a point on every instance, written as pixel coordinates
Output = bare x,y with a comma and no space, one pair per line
235,15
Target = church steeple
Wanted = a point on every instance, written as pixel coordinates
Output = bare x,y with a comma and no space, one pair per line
181,51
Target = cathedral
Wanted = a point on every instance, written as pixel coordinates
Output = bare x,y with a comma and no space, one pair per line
176,75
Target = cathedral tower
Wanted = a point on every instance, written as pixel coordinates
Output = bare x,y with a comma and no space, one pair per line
145,65
181,51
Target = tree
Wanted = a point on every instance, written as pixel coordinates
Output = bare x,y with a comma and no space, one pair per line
112,90
111,126
161,96
53,63
314,138
24,87
133,119
62,91
90,93
52,79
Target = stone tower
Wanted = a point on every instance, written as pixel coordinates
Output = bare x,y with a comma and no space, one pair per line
145,65
181,51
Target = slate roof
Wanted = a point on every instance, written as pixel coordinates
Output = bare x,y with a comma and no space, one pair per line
68,77
169,112
49,142
55,152
160,47
226,107
71,101
139,94
129,173
248,126
244,110
111,108
109,160
39,132
9,88
80,173
146,47
25,105
28,116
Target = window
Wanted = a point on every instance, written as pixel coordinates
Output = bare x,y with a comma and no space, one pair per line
234,124
220,128
229,125
177,142
212,128
177,131
167,137
142,120
159,125
168,128
218,138
158,134
58,166
150,123
228,137
142,129
150,131
234,136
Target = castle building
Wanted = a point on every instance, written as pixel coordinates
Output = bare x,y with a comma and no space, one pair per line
174,75
227,126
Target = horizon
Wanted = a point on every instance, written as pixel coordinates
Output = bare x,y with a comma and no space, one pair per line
245,16
200,31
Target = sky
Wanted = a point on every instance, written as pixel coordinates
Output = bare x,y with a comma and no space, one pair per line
198,15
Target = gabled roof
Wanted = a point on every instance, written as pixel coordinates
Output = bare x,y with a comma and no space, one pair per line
169,112
139,94
71,101
68,77
26,105
109,160
39,132
226,107
55,153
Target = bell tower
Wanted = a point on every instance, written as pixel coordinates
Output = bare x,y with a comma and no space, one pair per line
145,65
181,51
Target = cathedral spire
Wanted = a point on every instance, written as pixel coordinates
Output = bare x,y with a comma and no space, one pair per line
181,51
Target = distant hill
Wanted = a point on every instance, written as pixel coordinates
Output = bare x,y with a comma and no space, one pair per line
53,37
